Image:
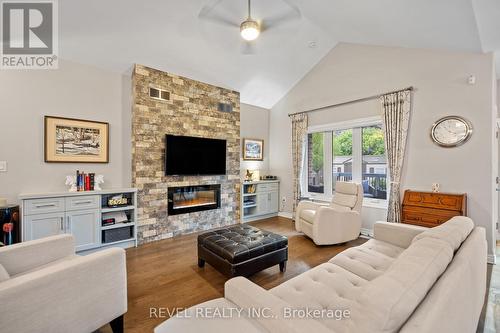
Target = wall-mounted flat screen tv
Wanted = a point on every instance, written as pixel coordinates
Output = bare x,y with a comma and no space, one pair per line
187,155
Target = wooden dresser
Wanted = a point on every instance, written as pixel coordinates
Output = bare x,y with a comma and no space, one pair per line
430,209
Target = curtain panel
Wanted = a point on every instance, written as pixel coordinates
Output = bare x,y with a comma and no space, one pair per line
299,135
396,109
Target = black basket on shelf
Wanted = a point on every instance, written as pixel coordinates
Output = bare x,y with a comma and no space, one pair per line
118,234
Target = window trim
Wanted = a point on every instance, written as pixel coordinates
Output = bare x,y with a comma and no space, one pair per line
356,125
348,124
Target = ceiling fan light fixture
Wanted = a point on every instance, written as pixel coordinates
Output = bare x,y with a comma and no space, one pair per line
249,30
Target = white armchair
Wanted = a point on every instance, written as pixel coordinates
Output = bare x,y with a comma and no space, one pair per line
45,287
334,223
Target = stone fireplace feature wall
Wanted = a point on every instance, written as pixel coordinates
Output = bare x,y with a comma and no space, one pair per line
192,111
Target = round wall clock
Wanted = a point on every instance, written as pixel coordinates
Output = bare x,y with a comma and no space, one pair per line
451,131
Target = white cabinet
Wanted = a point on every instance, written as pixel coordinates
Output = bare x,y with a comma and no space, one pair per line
84,226
262,203
274,202
79,214
43,225
267,203
259,200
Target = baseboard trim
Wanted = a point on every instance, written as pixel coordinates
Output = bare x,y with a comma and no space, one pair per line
287,215
366,233
257,218
492,259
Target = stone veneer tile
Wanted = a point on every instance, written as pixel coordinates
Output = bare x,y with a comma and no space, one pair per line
191,111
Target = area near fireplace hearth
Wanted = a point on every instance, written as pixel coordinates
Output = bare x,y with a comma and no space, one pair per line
190,108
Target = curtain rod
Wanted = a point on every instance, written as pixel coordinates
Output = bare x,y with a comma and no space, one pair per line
352,102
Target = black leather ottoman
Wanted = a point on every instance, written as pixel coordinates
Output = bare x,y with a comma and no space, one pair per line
242,250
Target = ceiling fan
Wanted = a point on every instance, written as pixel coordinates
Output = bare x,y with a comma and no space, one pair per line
250,28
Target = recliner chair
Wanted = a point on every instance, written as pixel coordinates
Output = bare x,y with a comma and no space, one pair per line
334,223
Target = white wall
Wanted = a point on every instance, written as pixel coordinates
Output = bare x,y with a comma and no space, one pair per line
354,71
255,125
498,96
73,91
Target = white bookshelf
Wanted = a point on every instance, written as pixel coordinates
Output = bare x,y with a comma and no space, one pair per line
259,200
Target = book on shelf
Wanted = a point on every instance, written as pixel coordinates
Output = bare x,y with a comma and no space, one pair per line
85,181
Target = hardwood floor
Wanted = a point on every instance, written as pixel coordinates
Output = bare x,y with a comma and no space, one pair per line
165,274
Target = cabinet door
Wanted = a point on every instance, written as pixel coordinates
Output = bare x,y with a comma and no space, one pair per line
262,203
43,225
273,202
84,226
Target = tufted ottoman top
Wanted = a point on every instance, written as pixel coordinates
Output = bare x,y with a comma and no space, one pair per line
241,242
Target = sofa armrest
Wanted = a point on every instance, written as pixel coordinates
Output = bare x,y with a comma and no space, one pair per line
247,295
75,295
396,233
22,257
335,226
306,205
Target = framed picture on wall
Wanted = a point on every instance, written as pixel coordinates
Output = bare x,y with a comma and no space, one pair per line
70,140
253,150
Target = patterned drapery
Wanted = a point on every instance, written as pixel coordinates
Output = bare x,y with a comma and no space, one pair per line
396,118
299,133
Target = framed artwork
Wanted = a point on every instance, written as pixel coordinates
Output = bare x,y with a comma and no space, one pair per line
76,141
253,150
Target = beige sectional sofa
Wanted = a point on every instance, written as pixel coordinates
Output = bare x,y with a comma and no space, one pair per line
405,279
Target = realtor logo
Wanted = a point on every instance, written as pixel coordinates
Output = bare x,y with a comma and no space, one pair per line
29,35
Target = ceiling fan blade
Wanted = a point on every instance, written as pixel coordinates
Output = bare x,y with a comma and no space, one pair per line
293,7
290,15
248,48
207,13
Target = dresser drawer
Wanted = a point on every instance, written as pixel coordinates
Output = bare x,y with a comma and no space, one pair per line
82,202
267,187
42,206
426,217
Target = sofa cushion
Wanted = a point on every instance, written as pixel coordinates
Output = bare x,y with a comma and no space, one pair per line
308,215
386,302
453,232
326,286
362,261
345,200
460,290
387,249
346,188
4,275
345,194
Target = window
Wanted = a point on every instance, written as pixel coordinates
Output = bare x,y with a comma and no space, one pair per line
351,151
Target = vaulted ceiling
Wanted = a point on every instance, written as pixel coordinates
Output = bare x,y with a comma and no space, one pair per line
169,35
